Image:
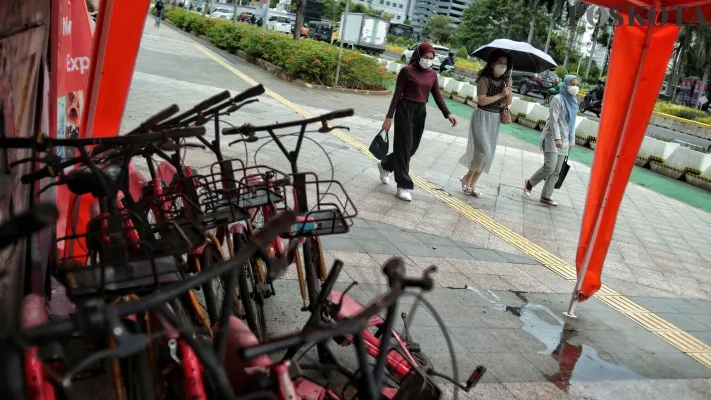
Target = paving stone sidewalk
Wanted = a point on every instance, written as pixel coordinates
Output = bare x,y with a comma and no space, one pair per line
501,308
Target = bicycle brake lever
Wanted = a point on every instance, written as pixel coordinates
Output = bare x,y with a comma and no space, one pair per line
127,344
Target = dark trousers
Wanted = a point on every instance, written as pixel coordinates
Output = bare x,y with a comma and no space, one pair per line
409,125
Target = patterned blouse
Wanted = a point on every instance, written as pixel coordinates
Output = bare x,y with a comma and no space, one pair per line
491,88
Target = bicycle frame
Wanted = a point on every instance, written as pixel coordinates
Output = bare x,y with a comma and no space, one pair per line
401,365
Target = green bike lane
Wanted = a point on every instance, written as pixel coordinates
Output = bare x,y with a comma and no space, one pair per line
641,176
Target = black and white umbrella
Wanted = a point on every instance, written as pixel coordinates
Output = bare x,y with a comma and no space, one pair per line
526,58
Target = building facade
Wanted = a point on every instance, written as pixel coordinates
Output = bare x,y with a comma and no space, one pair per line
398,8
423,10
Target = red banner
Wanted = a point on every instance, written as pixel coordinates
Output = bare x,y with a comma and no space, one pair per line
70,48
637,66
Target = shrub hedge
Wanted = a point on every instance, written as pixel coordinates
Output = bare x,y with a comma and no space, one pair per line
308,60
685,112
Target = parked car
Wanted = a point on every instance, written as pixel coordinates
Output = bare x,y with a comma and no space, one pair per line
222,13
441,53
280,24
530,82
321,30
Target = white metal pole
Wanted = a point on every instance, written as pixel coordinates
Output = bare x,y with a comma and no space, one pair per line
266,16
342,35
588,254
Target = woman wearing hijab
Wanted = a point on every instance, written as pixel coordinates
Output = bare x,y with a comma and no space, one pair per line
493,88
556,140
409,106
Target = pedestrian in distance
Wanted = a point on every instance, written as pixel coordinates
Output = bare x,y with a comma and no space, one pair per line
159,11
415,82
557,139
493,88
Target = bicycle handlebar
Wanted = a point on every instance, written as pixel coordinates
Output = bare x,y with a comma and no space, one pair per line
95,319
154,120
249,129
202,106
231,105
394,269
105,143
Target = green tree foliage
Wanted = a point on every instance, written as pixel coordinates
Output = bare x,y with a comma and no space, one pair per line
487,20
462,53
561,71
333,9
439,28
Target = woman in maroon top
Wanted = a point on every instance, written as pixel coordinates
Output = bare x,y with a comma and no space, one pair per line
409,105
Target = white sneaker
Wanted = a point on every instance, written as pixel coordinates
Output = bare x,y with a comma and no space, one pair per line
384,175
404,194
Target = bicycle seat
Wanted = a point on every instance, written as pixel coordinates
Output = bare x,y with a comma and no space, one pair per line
83,180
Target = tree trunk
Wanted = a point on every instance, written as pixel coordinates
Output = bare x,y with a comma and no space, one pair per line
207,6
704,80
551,26
235,14
300,8
592,51
675,74
533,23
572,31
607,55
670,84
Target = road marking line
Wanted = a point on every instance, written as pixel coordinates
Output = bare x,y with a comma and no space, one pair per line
665,330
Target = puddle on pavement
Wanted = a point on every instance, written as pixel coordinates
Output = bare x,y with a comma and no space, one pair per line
576,361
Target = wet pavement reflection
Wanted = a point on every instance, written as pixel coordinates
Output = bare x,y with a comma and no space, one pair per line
576,360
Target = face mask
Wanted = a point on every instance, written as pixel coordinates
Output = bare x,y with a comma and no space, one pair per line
573,90
425,63
499,70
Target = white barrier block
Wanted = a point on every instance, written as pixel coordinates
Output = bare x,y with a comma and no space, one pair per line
444,83
652,147
521,106
392,66
454,86
683,158
578,121
587,128
538,113
468,90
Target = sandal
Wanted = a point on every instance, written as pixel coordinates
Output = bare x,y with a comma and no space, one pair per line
475,193
466,188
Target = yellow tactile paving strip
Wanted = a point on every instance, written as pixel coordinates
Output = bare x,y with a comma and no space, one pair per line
683,341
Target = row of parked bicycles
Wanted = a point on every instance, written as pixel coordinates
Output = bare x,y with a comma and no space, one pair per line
170,275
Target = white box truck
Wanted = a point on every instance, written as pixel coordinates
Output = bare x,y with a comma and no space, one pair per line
364,32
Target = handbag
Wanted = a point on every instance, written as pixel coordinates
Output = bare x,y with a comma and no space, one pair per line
563,172
506,113
379,146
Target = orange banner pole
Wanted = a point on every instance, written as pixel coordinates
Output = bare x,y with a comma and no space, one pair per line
638,63
117,38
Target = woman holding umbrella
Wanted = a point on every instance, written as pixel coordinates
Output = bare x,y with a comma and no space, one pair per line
556,140
415,82
493,94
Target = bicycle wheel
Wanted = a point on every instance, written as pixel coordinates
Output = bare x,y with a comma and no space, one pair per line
215,290
252,291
